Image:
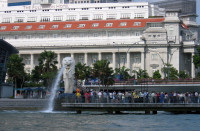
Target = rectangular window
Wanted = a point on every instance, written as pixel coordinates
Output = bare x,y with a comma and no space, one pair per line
15,27
28,27
19,19
109,24
68,26
98,17
55,35
16,36
95,34
139,15
84,17
81,25
125,16
67,35
54,26
41,26
111,16
123,24
57,18
137,33
136,58
71,17
31,19
41,36
137,23
28,60
95,24
2,27
28,36
6,20
45,18
155,25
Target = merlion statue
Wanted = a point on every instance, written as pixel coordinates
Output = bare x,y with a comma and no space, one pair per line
68,74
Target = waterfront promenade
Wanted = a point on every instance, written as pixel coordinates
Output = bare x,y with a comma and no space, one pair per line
147,107
23,104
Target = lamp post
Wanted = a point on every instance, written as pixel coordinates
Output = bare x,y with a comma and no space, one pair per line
167,64
162,62
170,62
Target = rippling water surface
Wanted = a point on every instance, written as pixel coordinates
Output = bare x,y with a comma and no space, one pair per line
89,121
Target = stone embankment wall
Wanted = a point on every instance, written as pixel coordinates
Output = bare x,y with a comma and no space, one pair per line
23,104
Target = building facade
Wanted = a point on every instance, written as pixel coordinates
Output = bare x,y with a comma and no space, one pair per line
186,6
135,35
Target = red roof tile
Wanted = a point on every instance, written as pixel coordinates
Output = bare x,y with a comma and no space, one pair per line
88,24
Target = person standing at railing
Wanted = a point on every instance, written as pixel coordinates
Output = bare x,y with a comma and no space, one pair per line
119,96
199,98
146,96
196,97
87,97
162,97
110,97
78,97
133,96
114,98
126,97
92,96
104,97
166,98
187,97
136,97
100,96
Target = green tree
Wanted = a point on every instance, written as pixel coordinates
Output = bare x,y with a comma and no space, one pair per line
15,71
141,73
171,72
123,71
157,75
47,67
82,71
196,58
104,73
36,74
183,75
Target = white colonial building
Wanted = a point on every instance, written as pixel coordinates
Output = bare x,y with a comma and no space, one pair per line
135,35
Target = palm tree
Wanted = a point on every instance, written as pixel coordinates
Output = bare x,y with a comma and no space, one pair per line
47,66
82,71
123,71
47,61
104,73
141,73
15,71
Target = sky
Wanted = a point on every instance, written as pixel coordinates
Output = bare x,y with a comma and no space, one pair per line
198,9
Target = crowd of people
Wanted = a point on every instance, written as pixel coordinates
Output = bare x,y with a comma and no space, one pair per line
93,96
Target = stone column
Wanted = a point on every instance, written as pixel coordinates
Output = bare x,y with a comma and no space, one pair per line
128,59
114,60
128,63
72,55
85,58
142,61
58,59
99,55
192,67
32,61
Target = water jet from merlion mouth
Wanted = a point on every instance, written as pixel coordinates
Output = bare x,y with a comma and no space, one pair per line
68,72
54,90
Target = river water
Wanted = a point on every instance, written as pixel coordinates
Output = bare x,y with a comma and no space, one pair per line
89,121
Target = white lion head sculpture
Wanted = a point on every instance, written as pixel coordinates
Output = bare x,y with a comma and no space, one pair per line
69,64
68,73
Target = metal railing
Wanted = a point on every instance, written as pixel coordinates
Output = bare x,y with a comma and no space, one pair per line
72,98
